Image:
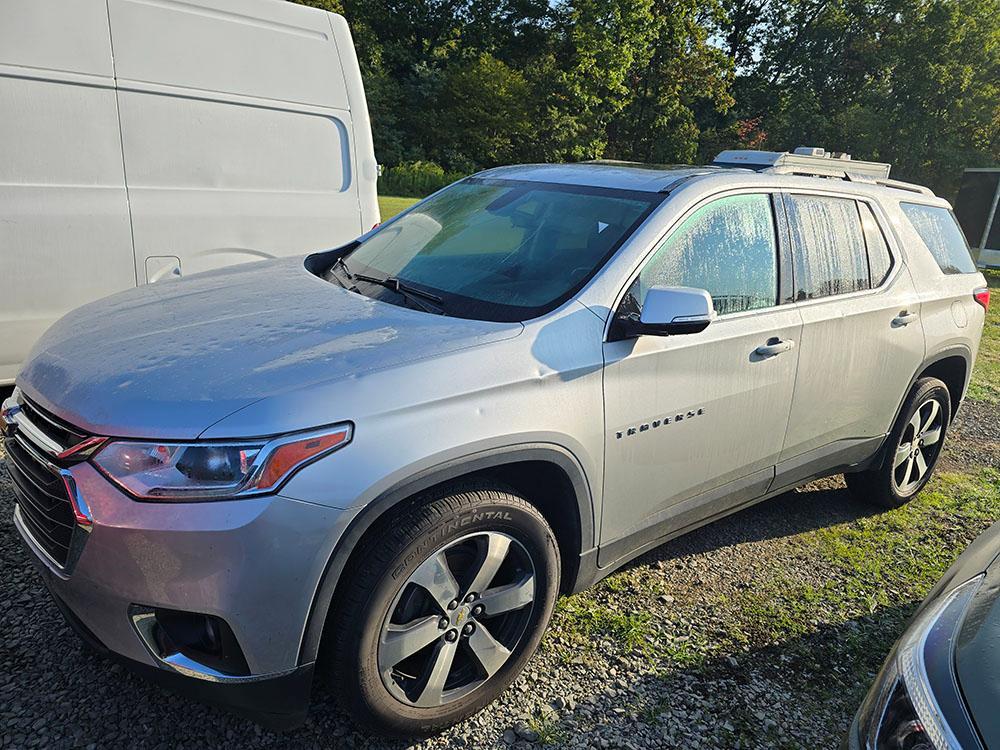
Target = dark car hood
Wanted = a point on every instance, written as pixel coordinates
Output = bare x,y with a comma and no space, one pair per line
977,651
171,359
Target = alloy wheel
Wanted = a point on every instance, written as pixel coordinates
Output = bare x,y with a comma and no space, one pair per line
457,620
918,447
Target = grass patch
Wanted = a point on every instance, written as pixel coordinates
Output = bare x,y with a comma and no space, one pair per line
546,725
583,616
985,385
389,205
877,567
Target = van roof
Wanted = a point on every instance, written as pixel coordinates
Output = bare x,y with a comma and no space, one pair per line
659,178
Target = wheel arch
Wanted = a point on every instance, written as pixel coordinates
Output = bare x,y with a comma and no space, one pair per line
547,475
953,366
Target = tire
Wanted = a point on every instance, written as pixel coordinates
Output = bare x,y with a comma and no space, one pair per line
898,478
396,580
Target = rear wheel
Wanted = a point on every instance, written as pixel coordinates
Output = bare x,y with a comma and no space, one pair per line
449,600
913,448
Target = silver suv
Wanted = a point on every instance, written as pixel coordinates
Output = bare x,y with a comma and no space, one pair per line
387,460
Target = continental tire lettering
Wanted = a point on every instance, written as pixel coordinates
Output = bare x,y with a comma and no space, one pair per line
421,551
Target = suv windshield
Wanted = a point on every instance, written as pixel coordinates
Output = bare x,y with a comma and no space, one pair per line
500,250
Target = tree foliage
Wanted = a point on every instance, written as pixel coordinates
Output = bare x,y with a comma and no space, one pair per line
468,84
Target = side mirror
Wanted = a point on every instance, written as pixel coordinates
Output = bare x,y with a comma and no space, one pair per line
673,310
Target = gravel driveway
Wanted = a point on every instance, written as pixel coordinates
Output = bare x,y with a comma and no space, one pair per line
712,641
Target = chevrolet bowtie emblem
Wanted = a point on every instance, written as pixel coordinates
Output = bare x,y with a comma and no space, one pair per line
7,423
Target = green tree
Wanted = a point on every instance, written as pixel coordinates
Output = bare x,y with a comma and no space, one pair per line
910,82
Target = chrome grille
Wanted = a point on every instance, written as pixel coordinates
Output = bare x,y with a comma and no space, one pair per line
42,499
37,443
53,428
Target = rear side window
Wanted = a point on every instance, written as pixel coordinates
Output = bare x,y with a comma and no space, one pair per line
829,244
941,234
879,259
728,248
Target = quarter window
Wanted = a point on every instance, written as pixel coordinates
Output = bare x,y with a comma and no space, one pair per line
728,248
940,232
829,244
879,260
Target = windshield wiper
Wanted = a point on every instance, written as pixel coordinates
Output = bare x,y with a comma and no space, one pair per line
428,301
349,285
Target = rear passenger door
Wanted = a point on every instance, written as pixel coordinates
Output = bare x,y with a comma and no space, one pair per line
861,340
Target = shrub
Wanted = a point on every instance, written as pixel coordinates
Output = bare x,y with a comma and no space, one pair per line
415,179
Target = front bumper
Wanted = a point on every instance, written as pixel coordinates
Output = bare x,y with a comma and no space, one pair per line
278,703
253,563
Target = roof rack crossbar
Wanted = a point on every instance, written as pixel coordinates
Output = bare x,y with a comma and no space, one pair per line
807,161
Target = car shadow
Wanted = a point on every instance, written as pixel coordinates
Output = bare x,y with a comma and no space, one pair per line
801,691
818,505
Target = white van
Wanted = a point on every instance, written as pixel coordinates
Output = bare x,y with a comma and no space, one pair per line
145,139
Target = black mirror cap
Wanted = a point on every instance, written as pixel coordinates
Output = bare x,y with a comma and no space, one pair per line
630,328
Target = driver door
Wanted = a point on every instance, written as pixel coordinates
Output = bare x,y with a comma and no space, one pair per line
695,422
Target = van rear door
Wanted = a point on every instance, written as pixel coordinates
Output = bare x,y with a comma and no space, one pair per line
237,132
64,223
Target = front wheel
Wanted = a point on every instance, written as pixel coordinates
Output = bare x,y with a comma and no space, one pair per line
913,448
448,601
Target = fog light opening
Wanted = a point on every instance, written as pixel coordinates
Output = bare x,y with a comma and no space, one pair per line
203,641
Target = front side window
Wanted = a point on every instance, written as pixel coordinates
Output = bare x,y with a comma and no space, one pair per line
941,234
500,250
727,247
829,246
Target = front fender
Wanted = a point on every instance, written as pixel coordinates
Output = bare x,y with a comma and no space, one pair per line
401,488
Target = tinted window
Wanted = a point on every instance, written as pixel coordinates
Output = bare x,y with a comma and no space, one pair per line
974,203
829,245
941,234
499,249
879,260
993,238
728,248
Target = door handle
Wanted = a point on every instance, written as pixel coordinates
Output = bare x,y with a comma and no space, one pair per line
774,347
904,319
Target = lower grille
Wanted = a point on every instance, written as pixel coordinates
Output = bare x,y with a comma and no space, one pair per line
42,498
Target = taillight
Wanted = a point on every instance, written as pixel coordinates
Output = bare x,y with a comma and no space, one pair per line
982,296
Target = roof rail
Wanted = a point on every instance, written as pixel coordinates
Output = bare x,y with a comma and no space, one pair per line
808,161
908,186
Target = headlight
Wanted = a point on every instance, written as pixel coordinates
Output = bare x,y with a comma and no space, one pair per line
902,712
213,470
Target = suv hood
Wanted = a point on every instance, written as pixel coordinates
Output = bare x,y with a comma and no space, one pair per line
171,359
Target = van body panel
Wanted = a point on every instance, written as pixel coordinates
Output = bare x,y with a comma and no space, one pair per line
256,48
365,164
56,35
62,205
185,158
